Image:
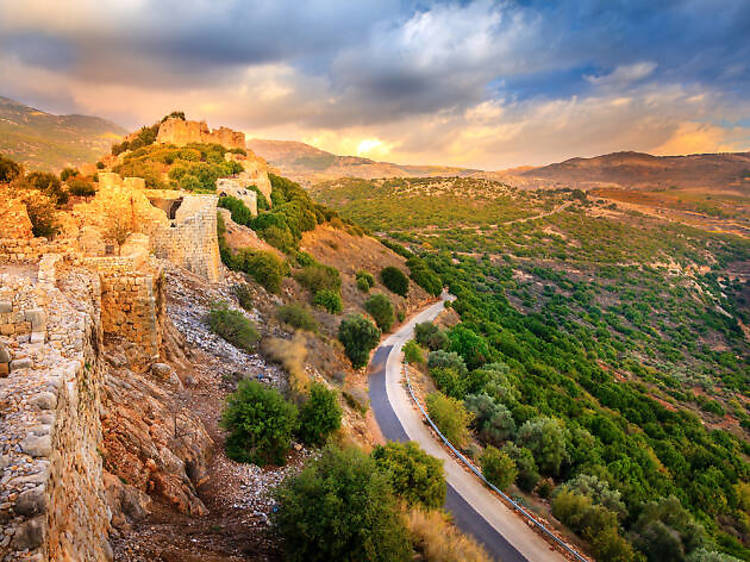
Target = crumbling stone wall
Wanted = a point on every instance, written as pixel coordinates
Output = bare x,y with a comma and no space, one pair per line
180,133
52,501
13,217
132,298
236,187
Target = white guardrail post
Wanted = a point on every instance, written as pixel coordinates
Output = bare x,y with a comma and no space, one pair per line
471,467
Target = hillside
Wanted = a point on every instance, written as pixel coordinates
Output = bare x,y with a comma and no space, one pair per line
43,141
627,326
638,170
308,165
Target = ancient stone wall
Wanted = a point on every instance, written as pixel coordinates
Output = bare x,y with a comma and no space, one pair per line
132,299
180,133
13,217
52,502
191,240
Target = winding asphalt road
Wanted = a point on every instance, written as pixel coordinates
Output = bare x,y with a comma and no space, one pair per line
476,510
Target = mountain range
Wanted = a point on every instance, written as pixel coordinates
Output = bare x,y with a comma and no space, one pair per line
43,141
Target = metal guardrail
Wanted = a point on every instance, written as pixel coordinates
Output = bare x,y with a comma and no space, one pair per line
471,467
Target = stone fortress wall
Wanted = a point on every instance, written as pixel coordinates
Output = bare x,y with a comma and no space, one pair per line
255,170
52,500
59,300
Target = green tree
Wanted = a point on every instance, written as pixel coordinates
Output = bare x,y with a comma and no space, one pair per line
665,531
340,507
381,309
395,280
498,467
415,476
447,360
528,475
413,354
450,416
546,439
320,415
469,345
493,421
42,214
366,278
359,337
260,422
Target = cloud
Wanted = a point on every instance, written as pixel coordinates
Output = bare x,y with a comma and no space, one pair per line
624,75
475,83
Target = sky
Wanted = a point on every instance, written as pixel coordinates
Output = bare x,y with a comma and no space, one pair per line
480,84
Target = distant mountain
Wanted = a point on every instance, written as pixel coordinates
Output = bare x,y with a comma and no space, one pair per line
309,165
43,141
640,170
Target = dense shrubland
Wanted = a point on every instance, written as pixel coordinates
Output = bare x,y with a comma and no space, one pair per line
592,351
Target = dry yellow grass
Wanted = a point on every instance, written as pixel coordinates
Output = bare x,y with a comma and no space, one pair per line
439,541
291,354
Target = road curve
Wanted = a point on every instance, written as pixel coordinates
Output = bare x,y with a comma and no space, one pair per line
476,510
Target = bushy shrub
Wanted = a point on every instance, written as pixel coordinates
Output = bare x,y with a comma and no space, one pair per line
9,169
320,415
423,276
666,531
244,296
239,211
260,198
49,184
493,421
395,280
498,468
469,345
449,381
528,475
260,422
413,354
431,336
415,476
81,188
381,309
233,327
546,439
318,277
68,173
447,360
42,214
359,337
297,316
450,416
280,238
340,507
366,278
189,182
265,267
329,300
363,285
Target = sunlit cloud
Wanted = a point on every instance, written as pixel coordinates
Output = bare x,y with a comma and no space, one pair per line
479,84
